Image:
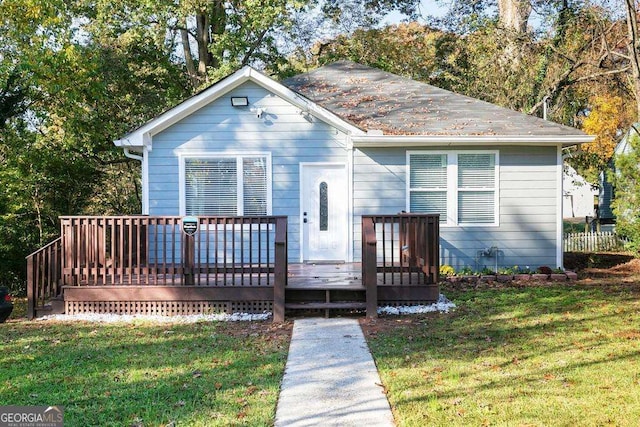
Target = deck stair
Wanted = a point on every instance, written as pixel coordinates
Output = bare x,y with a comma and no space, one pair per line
328,287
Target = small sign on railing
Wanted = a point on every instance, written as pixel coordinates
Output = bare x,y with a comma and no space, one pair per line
190,225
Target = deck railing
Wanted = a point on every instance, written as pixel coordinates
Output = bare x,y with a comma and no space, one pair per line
154,250
399,250
146,250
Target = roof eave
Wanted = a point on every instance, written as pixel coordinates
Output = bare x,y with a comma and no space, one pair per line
459,140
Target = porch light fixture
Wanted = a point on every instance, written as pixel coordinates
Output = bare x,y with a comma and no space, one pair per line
239,101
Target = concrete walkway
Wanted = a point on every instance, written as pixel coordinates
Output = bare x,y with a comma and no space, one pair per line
330,378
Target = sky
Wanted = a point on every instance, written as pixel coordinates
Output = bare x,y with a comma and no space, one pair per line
427,8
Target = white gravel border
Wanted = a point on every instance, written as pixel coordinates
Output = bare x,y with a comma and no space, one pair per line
128,318
443,305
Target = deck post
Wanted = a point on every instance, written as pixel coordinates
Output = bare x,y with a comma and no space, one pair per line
370,266
31,302
189,259
280,270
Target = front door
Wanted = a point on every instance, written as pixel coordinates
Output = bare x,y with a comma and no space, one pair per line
325,212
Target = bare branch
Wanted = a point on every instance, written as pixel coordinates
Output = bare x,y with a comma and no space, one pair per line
253,47
598,75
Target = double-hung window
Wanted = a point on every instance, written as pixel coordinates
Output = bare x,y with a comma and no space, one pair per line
227,185
460,186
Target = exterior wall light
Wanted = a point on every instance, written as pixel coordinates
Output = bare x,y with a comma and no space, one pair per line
239,101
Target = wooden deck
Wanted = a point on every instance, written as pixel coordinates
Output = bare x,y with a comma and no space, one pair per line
147,265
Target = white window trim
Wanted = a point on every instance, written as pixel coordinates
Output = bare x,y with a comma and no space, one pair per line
182,158
452,185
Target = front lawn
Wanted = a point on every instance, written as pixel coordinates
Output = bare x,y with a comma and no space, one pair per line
535,355
141,374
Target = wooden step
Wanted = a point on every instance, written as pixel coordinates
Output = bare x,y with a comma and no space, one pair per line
348,305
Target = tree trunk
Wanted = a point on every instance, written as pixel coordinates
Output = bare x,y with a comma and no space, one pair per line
209,23
514,14
633,47
188,58
203,40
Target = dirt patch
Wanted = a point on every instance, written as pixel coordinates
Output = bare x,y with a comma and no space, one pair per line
578,261
261,328
372,327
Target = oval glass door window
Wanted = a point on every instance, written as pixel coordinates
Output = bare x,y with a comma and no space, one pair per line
324,207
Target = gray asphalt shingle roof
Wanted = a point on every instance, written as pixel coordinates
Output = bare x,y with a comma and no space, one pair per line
374,99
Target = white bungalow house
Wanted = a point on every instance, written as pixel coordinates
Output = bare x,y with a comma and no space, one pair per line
579,196
345,140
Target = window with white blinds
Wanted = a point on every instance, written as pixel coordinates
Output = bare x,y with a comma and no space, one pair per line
461,187
476,188
428,184
226,186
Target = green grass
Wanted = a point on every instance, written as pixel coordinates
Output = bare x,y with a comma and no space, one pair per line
203,374
558,355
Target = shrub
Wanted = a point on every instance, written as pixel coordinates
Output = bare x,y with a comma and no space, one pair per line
447,270
544,270
466,271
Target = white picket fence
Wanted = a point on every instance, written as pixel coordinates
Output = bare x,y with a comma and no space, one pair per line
604,241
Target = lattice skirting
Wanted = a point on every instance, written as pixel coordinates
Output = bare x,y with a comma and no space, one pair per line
167,308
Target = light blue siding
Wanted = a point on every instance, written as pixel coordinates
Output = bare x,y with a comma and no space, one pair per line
281,131
528,187
528,190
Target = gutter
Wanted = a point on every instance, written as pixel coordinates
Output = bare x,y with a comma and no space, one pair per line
129,154
439,140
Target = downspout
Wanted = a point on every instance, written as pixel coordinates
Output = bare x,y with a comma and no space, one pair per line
559,211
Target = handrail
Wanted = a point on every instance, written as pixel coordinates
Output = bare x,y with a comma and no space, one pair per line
44,275
44,248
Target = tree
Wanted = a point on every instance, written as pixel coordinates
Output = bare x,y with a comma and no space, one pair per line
626,203
67,93
514,15
633,50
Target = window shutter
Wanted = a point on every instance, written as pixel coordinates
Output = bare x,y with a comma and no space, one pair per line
211,186
255,185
